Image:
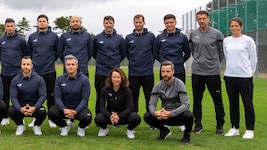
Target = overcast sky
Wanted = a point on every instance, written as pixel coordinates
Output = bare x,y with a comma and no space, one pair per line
93,11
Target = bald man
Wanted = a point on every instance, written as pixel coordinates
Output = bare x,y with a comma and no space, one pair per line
76,42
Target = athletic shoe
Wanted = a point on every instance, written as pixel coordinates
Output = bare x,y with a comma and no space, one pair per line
103,132
20,130
164,133
64,131
186,138
219,130
151,127
130,134
249,134
70,123
182,128
198,129
32,123
5,121
37,130
232,132
51,124
81,132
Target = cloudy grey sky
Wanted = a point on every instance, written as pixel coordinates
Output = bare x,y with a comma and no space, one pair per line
93,11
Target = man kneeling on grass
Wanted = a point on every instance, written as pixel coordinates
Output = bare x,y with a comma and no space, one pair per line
27,93
72,91
175,105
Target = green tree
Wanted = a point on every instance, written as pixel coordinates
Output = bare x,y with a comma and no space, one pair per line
2,29
62,23
23,26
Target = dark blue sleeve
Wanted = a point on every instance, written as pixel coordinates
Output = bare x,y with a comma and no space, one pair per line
85,93
14,94
24,47
56,48
95,47
58,94
30,47
90,47
123,49
186,49
156,48
42,93
61,45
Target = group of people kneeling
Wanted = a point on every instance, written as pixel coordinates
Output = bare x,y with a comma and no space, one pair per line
72,91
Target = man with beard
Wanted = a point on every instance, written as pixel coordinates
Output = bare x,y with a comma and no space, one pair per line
12,48
140,54
42,46
175,105
76,42
109,51
27,93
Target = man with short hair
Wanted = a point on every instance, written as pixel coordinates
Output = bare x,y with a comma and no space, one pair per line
78,43
27,93
173,45
42,46
140,54
175,104
12,48
109,51
206,45
72,91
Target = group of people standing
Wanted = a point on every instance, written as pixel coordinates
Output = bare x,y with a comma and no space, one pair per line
29,76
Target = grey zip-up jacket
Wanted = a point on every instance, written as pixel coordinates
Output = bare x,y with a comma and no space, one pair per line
207,51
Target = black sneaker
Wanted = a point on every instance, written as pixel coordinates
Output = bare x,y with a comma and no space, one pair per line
186,138
198,129
164,133
219,130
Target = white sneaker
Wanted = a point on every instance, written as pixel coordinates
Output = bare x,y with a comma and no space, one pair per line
182,128
70,123
130,134
81,132
32,123
37,130
249,134
5,121
103,132
51,124
20,130
65,131
232,132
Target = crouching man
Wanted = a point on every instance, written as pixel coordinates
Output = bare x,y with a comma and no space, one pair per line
27,94
72,91
175,105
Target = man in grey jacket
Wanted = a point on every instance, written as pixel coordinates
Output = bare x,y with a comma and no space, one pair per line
206,46
175,105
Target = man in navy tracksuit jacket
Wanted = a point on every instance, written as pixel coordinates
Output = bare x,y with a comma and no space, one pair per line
109,51
72,91
140,54
42,46
27,93
12,48
172,45
76,42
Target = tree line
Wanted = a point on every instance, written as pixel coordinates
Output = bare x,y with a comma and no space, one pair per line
61,25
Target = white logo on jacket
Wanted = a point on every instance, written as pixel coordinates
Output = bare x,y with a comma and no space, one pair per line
68,39
63,84
3,43
35,40
19,85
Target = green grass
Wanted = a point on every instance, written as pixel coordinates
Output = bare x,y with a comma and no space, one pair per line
145,138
